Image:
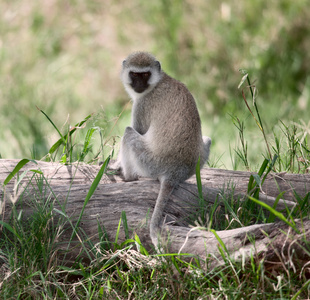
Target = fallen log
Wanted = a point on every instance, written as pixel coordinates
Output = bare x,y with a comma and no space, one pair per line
66,186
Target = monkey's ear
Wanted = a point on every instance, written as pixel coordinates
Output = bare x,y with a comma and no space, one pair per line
157,64
124,62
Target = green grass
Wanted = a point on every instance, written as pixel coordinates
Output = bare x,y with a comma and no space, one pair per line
30,268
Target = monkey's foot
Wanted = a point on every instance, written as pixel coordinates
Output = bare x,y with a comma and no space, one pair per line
116,165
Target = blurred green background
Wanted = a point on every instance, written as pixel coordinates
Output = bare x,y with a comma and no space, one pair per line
64,57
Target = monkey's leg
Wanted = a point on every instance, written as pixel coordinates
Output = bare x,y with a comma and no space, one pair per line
126,158
136,142
133,139
132,154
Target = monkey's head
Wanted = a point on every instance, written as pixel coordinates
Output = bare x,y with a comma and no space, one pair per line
140,74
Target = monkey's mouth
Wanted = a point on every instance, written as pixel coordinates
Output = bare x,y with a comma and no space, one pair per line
139,88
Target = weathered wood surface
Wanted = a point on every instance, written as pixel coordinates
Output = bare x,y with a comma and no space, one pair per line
70,184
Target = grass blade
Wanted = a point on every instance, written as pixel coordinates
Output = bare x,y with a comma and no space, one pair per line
220,241
263,167
272,216
63,139
117,233
303,287
93,188
139,246
11,229
276,213
198,180
125,225
20,164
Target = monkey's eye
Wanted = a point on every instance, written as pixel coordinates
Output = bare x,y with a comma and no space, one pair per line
134,74
146,74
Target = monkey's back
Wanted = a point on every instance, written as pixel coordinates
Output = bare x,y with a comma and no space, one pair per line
173,135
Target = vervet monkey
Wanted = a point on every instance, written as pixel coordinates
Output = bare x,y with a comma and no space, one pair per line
164,141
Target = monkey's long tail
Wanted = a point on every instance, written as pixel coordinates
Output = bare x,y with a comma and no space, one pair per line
165,191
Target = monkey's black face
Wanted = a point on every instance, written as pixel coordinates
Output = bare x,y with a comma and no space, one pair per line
139,81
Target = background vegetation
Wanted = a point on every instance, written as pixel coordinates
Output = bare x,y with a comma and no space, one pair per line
64,57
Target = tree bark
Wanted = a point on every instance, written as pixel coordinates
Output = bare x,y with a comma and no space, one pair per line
66,186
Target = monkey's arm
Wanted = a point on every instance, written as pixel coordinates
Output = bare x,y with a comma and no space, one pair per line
134,140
